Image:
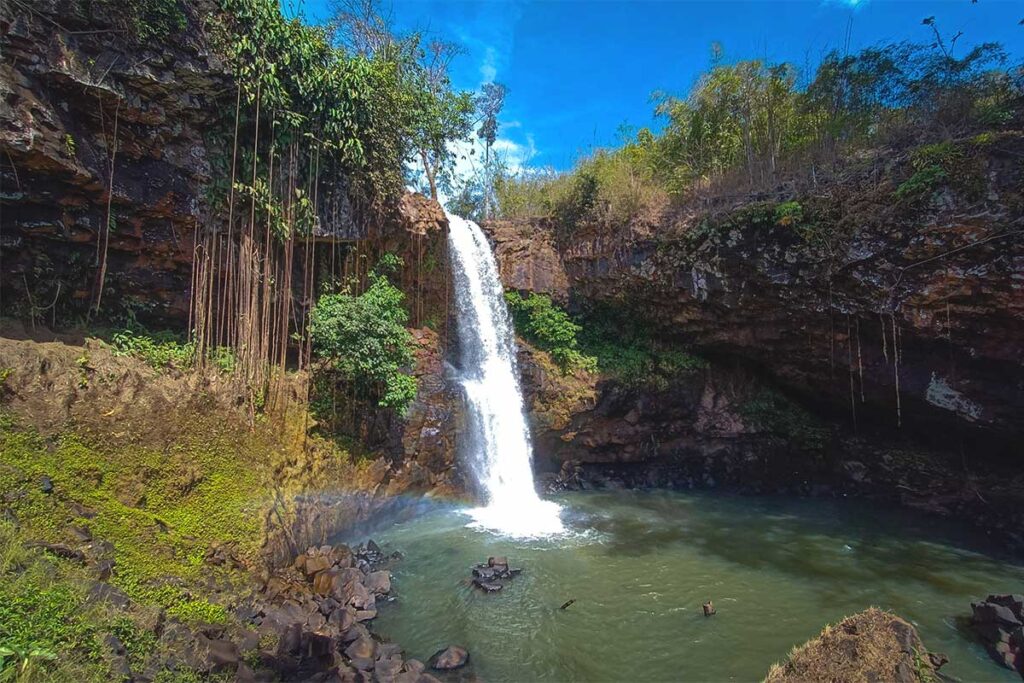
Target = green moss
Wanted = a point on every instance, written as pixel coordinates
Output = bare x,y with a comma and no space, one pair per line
161,509
43,615
773,412
199,611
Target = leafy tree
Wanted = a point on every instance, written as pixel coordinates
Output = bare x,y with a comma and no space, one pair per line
363,339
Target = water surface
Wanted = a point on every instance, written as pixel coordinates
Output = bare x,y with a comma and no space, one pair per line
639,565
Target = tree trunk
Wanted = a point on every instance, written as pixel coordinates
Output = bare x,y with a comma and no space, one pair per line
430,174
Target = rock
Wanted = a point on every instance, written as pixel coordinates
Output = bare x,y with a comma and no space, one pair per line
487,586
361,648
365,614
342,618
869,646
103,593
379,582
103,569
361,598
987,612
998,621
80,510
329,582
452,657
60,550
317,563
485,573
79,534
221,655
46,484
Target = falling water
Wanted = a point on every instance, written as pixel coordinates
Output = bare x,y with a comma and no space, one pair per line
499,440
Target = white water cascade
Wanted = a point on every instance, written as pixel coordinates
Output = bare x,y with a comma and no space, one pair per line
499,439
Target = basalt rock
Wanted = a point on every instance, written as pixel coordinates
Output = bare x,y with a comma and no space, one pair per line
452,657
870,646
896,324
999,621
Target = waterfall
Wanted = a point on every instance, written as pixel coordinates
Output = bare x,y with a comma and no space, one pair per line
499,445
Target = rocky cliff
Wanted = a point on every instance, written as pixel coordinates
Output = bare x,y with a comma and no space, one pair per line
897,323
110,150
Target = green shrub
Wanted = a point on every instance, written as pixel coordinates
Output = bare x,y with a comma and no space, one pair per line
160,350
363,340
629,351
547,326
772,412
789,213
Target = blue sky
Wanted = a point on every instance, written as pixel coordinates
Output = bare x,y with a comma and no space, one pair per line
578,70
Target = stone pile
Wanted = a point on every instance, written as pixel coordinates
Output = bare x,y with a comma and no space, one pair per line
317,610
491,576
999,620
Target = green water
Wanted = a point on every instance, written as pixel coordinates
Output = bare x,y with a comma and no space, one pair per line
639,565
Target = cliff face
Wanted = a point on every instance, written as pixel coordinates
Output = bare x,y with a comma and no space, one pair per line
95,123
91,123
897,325
98,130
917,311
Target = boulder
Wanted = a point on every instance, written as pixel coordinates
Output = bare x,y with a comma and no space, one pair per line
379,582
869,646
452,657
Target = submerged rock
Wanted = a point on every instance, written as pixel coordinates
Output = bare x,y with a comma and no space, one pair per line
452,657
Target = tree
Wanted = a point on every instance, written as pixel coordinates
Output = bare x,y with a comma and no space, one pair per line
433,114
364,340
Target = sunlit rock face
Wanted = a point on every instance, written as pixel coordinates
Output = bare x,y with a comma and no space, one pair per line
927,298
881,300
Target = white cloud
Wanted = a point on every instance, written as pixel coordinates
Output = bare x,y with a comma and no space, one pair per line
489,67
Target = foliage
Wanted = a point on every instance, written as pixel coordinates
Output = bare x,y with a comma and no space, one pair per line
549,327
748,122
628,350
772,412
42,613
164,349
145,20
160,349
199,611
362,338
938,164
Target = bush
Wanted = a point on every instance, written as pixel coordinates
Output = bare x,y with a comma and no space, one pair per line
363,340
159,349
547,326
774,413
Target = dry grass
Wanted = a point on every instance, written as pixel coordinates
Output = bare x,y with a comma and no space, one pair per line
872,645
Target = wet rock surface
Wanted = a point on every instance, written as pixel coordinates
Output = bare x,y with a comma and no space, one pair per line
491,576
999,622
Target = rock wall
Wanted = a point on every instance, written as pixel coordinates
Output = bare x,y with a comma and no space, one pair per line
94,124
809,310
817,306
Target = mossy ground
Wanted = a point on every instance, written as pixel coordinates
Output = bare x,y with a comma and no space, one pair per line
158,471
